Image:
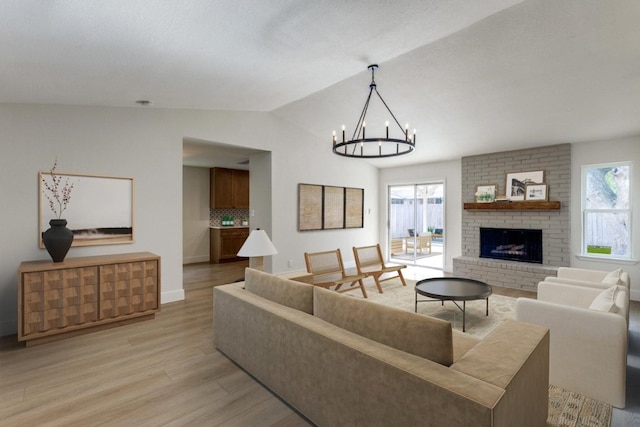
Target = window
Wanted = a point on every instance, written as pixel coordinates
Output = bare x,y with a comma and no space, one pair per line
606,210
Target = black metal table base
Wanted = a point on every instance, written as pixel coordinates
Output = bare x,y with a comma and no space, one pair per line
455,290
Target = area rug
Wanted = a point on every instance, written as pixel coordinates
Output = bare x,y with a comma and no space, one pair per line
569,409
478,324
566,408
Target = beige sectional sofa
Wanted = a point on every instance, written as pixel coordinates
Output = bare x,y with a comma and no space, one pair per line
344,361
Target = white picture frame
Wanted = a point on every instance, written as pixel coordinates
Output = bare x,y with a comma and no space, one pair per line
536,192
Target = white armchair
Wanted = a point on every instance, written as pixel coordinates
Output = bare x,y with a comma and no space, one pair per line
591,278
588,348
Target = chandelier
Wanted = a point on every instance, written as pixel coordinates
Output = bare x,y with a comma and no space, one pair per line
368,148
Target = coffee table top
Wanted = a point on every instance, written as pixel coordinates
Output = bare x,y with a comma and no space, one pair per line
453,288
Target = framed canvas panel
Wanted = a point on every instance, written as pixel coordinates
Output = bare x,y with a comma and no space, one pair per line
99,212
516,183
536,192
354,207
333,207
309,207
486,193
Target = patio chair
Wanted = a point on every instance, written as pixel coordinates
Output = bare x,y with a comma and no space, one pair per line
419,244
328,271
369,262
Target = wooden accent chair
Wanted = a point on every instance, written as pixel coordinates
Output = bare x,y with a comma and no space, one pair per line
369,262
328,270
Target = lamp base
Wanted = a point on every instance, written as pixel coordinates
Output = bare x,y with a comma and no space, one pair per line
256,262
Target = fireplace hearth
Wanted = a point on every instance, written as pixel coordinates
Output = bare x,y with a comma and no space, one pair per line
514,244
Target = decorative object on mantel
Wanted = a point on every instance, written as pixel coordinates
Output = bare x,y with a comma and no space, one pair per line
536,192
58,238
532,205
378,147
517,182
485,193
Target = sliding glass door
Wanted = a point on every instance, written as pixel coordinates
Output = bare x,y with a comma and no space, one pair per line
416,224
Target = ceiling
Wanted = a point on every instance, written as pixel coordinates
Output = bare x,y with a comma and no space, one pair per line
472,77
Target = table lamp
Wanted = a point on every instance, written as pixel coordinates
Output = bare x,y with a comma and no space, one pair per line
256,247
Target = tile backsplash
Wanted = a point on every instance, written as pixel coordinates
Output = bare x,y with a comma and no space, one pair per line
215,216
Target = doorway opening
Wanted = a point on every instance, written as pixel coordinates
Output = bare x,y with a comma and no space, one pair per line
416,224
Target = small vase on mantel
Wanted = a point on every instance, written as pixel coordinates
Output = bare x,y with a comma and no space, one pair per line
57,239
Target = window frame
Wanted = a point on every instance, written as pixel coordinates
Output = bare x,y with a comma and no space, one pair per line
585,211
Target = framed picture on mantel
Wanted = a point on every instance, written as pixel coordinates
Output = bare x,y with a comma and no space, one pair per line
485,193
536,192
517,182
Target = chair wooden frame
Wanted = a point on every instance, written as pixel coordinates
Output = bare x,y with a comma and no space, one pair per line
421,243
328,270
369,261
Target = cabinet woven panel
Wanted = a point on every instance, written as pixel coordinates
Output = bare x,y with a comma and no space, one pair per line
124,290
58,299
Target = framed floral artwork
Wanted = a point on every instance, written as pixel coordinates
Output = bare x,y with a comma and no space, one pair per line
485,193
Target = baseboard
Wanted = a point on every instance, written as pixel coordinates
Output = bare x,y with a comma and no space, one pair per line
172,296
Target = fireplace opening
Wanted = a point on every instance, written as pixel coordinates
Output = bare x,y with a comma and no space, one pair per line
512,244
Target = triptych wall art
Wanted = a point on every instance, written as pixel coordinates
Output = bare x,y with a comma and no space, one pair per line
326,207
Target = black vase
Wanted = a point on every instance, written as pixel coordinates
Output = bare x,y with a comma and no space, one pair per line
57,239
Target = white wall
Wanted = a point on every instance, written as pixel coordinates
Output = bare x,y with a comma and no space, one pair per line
447,172
146,143
311,161
598,152
195,214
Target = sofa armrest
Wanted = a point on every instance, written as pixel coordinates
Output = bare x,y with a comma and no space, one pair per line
588,348
515,357
564,294
575,282
586,277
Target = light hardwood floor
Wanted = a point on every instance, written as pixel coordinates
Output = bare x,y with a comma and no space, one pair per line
166,371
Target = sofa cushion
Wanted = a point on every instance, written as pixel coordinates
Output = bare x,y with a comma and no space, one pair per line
287,292
613,278
420,335
605,300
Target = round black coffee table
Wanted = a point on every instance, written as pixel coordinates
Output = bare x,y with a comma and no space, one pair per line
453,289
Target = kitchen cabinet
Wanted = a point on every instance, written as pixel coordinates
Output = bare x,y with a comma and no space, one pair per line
57,299
229,188
226,242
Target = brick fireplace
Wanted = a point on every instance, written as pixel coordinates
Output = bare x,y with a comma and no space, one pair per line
486,169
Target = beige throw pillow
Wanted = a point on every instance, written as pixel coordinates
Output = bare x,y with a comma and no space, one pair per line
613,278
606,301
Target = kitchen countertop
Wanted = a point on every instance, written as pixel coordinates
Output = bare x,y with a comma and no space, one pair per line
228,226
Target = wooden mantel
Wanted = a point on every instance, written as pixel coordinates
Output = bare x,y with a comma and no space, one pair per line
515,206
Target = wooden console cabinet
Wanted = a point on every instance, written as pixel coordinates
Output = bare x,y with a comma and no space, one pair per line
57,299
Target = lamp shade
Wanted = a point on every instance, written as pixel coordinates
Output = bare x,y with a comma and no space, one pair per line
257,244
